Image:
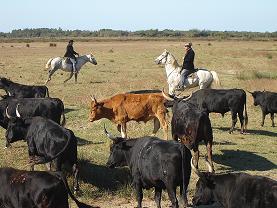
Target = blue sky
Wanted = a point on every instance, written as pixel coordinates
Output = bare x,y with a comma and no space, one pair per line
238,15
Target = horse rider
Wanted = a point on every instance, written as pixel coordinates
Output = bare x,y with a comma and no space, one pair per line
70,53
188,65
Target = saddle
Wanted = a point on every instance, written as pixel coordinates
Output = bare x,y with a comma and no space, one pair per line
66,60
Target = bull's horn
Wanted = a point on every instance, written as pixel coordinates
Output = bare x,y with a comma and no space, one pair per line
198,173
8,116
93,99
166,96
210,169
108,134
17,112
185,99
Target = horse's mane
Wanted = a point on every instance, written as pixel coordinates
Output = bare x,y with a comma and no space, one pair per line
174,63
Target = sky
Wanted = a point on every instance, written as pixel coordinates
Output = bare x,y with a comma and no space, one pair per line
132,15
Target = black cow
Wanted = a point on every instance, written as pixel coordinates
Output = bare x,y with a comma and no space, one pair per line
36,189
23,91
52,108
222,101
235,190
191,125
153,163
46,141
268,103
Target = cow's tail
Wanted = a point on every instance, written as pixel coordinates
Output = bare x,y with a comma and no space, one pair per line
186,170
47,65
79,204
245,116
42,160
216,81
63,122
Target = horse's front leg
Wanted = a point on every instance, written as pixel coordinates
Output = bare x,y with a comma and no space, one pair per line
70,76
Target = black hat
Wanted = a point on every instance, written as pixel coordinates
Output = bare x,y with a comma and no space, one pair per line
71,41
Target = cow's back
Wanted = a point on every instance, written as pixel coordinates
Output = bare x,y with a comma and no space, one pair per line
20,189
139,107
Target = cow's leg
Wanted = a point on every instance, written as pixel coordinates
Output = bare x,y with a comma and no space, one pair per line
163,122
272,119
123,130
196,156
139,193
75,170
241,119
76,76
172,193
263,118
70,76
210,153
183,196
156,126
158,195
119,127
234,121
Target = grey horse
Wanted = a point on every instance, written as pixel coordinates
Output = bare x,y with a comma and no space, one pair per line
54,64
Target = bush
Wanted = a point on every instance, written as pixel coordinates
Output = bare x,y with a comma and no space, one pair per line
52,45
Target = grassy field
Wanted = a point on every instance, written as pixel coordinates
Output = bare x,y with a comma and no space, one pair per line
125,66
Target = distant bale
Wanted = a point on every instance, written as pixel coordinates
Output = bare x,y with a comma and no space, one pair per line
52,45
111,51
209,44
28,45
11,46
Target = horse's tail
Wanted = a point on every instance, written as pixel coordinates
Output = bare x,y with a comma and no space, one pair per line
47,65
216,80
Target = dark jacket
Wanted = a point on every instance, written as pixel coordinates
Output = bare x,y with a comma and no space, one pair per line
188,60
70,52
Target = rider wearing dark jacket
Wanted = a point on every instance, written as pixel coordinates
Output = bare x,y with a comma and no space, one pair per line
188,65
70,53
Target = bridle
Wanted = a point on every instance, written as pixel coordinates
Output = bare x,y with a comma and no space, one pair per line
165,56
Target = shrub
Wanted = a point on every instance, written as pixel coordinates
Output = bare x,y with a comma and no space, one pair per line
52,45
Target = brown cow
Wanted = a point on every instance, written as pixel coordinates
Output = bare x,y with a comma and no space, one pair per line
122,108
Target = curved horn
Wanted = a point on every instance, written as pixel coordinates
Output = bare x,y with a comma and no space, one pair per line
93,99
8,116
17,112
198,173
167,96
210,169
108,134
185,99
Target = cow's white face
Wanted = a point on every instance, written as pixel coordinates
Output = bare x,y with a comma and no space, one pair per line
162,59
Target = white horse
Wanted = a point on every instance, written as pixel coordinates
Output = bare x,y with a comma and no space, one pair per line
203,78
60,63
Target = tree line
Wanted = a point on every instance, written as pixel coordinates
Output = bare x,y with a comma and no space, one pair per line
152,33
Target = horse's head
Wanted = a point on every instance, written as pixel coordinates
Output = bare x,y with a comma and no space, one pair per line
92,59
162,59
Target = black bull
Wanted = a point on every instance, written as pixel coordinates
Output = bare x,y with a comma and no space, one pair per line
47,141
191,125
23,91
41,189
235,190
52,108
153,163
268,103
222,101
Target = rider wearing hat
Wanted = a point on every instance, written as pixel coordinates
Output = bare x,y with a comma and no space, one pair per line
188,65
70,53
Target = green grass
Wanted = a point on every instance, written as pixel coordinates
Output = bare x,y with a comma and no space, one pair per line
133,68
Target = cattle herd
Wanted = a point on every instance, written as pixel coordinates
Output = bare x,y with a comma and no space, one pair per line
28,113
